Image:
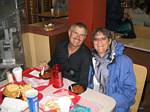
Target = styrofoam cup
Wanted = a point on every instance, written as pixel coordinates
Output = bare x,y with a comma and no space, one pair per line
17,72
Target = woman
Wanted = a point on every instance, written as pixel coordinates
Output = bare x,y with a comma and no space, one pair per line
113,71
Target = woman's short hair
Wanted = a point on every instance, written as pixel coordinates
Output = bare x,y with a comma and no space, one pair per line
104,31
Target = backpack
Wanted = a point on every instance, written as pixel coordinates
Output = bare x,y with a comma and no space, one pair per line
126,28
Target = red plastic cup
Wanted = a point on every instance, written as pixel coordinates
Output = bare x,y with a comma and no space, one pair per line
57,78
57,67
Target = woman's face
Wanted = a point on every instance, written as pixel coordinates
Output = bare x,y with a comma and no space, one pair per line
101,43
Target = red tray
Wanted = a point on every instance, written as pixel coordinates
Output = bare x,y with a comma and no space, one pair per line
62,92
27,71
26,74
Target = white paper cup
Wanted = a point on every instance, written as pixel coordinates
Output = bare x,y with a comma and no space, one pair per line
32,98
17,72
64,107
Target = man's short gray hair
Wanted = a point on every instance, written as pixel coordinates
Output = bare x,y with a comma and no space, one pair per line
80,25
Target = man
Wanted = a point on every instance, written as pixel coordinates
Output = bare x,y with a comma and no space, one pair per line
73,55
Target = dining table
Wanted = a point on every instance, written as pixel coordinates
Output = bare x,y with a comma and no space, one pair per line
101,102
97,101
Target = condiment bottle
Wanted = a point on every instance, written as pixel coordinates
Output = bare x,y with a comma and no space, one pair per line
9,77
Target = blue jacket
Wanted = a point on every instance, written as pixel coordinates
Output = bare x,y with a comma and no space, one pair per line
121,80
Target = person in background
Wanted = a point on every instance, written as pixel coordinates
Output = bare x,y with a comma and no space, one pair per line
60,6
113,73
147,4
73,55
114,14
126,27
115,20
138,15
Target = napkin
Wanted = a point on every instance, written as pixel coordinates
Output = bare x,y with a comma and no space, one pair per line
64,103
64,92
13,105
35,73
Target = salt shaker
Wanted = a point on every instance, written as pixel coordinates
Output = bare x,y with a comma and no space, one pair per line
9,77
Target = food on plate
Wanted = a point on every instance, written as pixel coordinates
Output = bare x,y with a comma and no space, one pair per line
15,90
11,90
46,75
51,106
77,88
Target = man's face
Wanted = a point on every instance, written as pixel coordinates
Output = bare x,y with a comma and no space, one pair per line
77,36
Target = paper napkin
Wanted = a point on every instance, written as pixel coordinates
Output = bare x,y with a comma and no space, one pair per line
14,105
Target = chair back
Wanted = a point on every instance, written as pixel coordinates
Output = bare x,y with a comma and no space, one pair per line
140,74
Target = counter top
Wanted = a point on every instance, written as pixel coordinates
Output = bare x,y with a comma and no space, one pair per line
60,25
138,43
52,15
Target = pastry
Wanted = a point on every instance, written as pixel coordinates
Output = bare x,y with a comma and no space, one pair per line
11,90
16,91
51,106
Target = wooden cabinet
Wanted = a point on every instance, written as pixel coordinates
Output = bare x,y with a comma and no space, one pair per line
140,57
39,45
39,48
34,7
36,49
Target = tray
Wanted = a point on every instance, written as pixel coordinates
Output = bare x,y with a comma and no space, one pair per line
26,73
